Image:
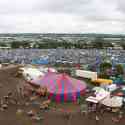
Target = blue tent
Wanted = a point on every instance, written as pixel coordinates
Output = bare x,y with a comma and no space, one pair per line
40,61
118,80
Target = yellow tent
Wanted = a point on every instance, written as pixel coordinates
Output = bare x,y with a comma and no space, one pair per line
103,81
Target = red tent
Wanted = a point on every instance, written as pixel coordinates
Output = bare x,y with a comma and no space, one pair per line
61,87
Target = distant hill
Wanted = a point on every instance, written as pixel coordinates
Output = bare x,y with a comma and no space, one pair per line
63,35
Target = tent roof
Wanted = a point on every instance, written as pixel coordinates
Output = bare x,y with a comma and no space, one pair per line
40,61
60,83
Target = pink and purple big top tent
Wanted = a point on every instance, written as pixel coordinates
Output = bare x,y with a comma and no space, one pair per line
61,87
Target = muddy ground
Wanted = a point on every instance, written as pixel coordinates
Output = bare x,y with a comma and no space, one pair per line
8,83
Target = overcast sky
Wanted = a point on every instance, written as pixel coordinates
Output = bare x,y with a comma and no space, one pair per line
62,16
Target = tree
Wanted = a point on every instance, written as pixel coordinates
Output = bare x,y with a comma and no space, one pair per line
98,43
104,66
119,69
107,44
25,44
15,45
122,43
104,75
3,44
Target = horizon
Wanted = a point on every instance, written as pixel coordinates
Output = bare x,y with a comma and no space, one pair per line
66,33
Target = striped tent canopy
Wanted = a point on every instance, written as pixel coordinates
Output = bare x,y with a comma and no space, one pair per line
61,87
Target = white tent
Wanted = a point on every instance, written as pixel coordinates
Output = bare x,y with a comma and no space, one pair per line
111,87
0,66
45,70
115,101
100,95
87,74
31,73
98,89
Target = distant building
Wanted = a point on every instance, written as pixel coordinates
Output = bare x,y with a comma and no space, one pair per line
5,47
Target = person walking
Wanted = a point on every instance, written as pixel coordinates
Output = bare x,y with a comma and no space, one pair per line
97,120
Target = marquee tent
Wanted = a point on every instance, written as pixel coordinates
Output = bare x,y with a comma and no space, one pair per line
61,87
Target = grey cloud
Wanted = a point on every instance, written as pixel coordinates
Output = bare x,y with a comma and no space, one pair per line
17,6
121,6
62,16
65,6
95,10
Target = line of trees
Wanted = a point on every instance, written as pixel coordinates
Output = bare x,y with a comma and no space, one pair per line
23,44
98,43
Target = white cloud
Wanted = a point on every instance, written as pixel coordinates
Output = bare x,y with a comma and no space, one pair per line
79,16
